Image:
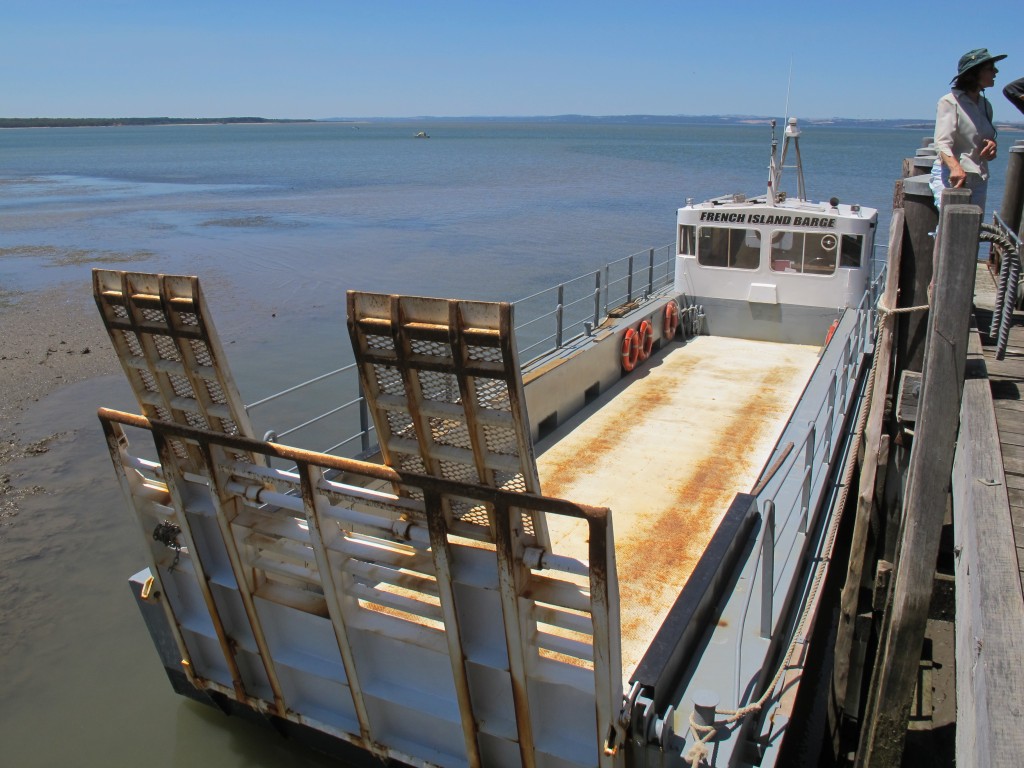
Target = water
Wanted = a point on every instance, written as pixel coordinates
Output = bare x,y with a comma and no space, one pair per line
279,220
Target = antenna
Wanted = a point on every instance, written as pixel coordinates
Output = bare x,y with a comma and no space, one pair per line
774,170
789,88
791,132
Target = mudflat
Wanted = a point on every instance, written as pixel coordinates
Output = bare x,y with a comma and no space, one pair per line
48,339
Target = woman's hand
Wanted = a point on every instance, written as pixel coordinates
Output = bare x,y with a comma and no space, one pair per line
988,150
957,176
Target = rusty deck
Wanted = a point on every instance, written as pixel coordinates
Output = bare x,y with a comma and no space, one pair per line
666,451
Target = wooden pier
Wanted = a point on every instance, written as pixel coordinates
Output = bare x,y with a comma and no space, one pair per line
941,494
1006,381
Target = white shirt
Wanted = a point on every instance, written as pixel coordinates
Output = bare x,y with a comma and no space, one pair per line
961,125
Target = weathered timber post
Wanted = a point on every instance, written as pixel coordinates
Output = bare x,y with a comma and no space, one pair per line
928,485
921,219
1013,195
918,246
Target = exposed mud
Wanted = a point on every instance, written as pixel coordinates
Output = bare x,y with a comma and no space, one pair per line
50,339
57,256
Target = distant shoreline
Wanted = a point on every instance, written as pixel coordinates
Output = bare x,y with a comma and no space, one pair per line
836,122
114,122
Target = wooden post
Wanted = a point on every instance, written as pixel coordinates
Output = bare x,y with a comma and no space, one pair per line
918,245
919,214
1013,194
928,484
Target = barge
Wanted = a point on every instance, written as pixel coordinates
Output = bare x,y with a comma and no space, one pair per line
457,595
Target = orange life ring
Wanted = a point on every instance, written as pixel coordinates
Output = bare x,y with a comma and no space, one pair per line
671,319
630,350
831,331
646,334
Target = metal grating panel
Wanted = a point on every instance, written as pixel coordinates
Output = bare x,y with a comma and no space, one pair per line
431,625
170,352
442,381
373,617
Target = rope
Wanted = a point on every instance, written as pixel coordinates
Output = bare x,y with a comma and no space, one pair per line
699,751
883,311
990,235
1006,289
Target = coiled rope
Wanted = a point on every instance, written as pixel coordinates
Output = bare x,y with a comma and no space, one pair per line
705,733
1006,289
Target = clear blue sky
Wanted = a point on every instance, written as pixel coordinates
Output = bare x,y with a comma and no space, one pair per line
323,58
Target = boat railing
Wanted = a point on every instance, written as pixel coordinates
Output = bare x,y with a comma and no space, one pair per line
795,484
575,307
546,321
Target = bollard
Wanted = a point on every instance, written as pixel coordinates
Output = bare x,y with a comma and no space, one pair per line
1013,195
705,704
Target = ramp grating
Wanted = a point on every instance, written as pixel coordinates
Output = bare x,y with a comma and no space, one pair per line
443,384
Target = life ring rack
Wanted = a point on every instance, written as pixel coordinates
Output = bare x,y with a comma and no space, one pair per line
671,320
630,350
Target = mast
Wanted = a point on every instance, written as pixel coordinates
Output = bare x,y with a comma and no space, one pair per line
792,132
774,170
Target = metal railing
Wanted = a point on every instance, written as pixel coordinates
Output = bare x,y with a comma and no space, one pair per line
789,497
546,321
577,306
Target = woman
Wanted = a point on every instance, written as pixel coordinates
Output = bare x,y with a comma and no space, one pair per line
964,134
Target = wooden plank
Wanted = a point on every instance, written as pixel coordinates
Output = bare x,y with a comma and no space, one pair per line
931,462
1010,422
989,600
1016,497
1010,438
1015,406
1013,462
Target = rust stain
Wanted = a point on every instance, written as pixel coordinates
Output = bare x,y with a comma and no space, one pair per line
673,541
563,473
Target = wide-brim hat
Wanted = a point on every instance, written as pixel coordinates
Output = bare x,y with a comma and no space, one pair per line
976,58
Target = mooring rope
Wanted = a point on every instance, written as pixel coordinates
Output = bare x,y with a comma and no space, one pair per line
883,311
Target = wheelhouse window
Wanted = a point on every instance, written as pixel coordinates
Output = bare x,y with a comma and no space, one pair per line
728,247
851,251
812,253
687,240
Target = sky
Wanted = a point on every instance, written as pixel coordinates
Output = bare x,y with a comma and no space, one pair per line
383,58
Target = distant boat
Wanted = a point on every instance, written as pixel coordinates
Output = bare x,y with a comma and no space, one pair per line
422,135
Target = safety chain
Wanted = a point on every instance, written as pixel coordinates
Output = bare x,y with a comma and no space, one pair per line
167,534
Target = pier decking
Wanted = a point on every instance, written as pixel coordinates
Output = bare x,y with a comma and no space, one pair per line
1006,378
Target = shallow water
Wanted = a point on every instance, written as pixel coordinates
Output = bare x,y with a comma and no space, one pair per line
279,221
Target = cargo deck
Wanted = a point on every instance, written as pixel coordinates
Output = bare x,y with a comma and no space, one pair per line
703,417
